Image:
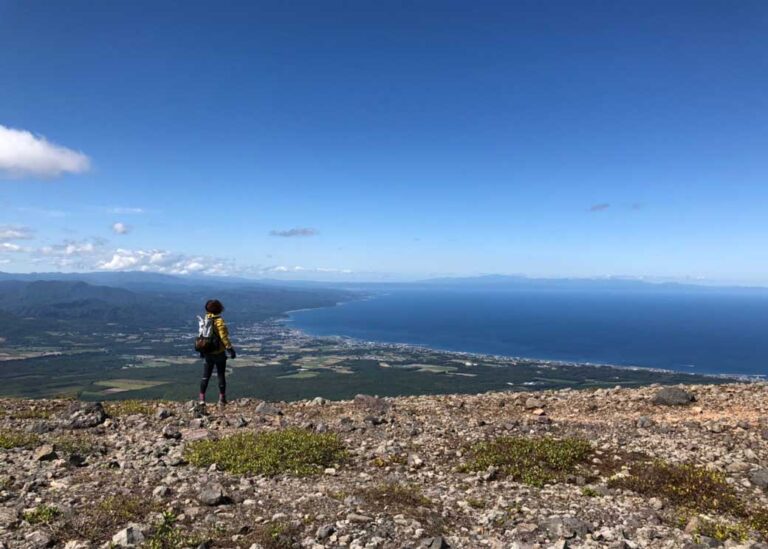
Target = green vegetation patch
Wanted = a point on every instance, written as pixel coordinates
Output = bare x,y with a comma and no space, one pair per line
534,461
277,535
168,535
42,514
18,439
723,531
77,444
98,522
697,490
396,496
32,413
121,408
292,451
684,485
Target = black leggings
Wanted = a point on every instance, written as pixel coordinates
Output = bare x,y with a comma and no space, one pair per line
219,360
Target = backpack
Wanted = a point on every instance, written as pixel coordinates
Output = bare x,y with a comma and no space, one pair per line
207,340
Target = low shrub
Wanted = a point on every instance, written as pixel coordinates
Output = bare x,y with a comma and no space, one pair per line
476,503
122,408
534,461
32,413
77,444
42,514
167,535
101,520
686,485
396,496
292,451
18,439
277,535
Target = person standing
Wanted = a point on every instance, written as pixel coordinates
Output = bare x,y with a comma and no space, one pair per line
217,357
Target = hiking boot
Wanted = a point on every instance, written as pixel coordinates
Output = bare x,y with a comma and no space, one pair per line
222,401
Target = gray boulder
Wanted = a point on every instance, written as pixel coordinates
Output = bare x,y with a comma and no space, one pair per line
533,403
212,495
87,415
673,396
171,431
324,532
565,527
131,536
268,409
9,517
644,422
38,540
46,452
371,403
759,478
433,543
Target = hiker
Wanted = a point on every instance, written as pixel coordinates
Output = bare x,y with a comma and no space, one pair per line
213,344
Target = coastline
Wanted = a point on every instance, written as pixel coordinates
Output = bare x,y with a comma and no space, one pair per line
404,346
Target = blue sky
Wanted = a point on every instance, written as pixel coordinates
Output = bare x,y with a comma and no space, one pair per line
386,140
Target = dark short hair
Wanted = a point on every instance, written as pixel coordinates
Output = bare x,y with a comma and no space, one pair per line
214,306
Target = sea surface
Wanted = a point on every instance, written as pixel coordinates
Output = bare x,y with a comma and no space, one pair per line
705,332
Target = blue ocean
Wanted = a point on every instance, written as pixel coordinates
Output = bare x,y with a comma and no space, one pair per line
705,332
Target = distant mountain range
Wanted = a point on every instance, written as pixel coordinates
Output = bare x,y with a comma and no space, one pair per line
143,281
141,300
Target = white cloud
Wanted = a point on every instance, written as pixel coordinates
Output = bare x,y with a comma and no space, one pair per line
121,228
69,248
300,269
9,247
24,154
297,231
163,261
127,211
15,232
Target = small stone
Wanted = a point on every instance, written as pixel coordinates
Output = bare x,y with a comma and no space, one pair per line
415,461
673,396
759,478
87,415
38,540
8,517
324,532
161,491
566,527
533,403
433,543
197,409
268,409
492,473
644,422
372,403
355,517
163,413
131,536
171,432
76,460
656,503
212,495
46,452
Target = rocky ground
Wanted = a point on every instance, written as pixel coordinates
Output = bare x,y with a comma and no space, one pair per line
80,475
